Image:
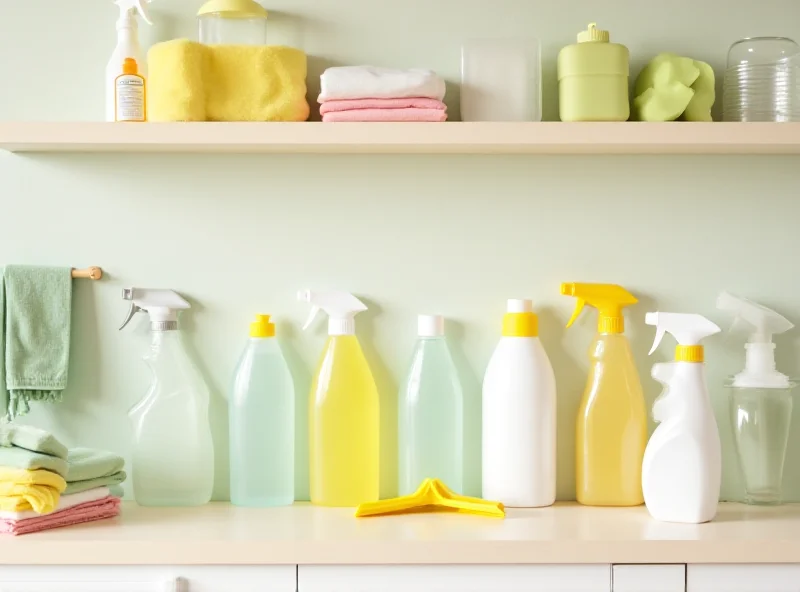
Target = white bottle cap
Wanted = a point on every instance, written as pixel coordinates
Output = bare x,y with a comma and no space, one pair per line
520,305
430,326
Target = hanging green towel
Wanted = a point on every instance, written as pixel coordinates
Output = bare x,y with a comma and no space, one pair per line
38,318
33,439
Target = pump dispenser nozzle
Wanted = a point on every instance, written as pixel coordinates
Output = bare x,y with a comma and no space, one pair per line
161,305
759,371
341,307
608,299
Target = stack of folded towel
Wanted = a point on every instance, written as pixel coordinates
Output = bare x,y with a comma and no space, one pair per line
366,93
43,485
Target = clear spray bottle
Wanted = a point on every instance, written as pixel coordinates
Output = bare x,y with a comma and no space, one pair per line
760,401
344,410
173,454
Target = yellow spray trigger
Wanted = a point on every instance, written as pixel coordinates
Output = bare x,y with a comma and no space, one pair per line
578,310
432,496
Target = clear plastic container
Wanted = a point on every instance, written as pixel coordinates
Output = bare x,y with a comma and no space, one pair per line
232,22
501,80
761,419
173,454
431,414
261,414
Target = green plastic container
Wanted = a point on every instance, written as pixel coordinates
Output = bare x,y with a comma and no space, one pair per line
593,79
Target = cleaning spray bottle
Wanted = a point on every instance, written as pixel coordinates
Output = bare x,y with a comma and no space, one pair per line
128,48
344,418
611,430
760,401
682,468
173,454
519,415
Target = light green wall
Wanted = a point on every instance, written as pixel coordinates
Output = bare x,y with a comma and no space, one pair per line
456,235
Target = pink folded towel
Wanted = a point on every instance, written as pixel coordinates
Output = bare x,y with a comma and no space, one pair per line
374,115
88,512
354,104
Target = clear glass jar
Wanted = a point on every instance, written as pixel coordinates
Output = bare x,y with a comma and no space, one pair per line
232,22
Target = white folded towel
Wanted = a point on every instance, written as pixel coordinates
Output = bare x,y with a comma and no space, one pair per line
64,502
369,82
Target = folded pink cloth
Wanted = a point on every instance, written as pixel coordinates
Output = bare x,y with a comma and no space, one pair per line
353,104
88,512
374,115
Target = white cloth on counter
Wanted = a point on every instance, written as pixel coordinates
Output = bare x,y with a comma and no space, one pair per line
64,502
369,82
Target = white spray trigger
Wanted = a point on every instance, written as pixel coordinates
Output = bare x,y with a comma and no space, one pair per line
138,6
311,316
660,332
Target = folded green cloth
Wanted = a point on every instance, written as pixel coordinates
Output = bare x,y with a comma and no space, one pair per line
38,309
33,439
19,458
108,481
88,463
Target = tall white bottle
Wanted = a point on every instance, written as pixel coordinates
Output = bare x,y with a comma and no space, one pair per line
128,47
519,415
682,469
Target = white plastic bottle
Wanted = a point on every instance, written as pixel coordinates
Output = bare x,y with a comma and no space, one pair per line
128,47
519,415
682,469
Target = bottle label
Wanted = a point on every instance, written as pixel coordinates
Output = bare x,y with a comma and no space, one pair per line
130,98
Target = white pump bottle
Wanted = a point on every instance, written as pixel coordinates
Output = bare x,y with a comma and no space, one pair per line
128,46
682,470
173,454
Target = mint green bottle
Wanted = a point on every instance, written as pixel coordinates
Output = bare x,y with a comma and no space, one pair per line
261,412
431,414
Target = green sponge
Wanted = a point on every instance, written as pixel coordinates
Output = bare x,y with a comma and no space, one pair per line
671,86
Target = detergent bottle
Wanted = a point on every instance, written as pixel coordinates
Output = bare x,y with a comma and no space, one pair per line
127,48
682,469
173,454
519,415
344,419
611,432
760,401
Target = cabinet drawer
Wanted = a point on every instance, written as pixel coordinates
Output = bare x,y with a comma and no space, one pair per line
649,578
743,578
148,579
455,578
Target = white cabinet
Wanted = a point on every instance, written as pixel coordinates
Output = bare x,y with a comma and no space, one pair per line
649,578
743,578
281,578
450,578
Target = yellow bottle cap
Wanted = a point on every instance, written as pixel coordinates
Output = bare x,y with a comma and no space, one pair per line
129,66
689,353
262,327
233,9
594,35
520,320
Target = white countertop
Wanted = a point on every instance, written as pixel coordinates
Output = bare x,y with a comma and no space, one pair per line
221,534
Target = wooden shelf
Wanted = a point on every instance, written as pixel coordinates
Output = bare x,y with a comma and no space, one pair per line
405,138
220,534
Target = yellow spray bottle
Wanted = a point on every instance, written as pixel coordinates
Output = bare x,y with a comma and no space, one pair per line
612,419
344,420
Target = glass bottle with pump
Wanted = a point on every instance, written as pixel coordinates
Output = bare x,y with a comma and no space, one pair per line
173,454
344,418
612,418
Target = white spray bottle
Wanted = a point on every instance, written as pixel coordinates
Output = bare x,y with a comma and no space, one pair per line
760,399
173,455
128,46
682,470
344,410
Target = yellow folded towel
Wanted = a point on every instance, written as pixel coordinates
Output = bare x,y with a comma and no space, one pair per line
193,82
22,490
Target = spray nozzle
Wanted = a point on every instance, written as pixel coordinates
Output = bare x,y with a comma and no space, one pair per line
130,7
341,307
608,299
688,329
161,305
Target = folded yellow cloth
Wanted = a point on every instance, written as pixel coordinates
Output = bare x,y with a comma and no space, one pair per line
193,82
22,489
